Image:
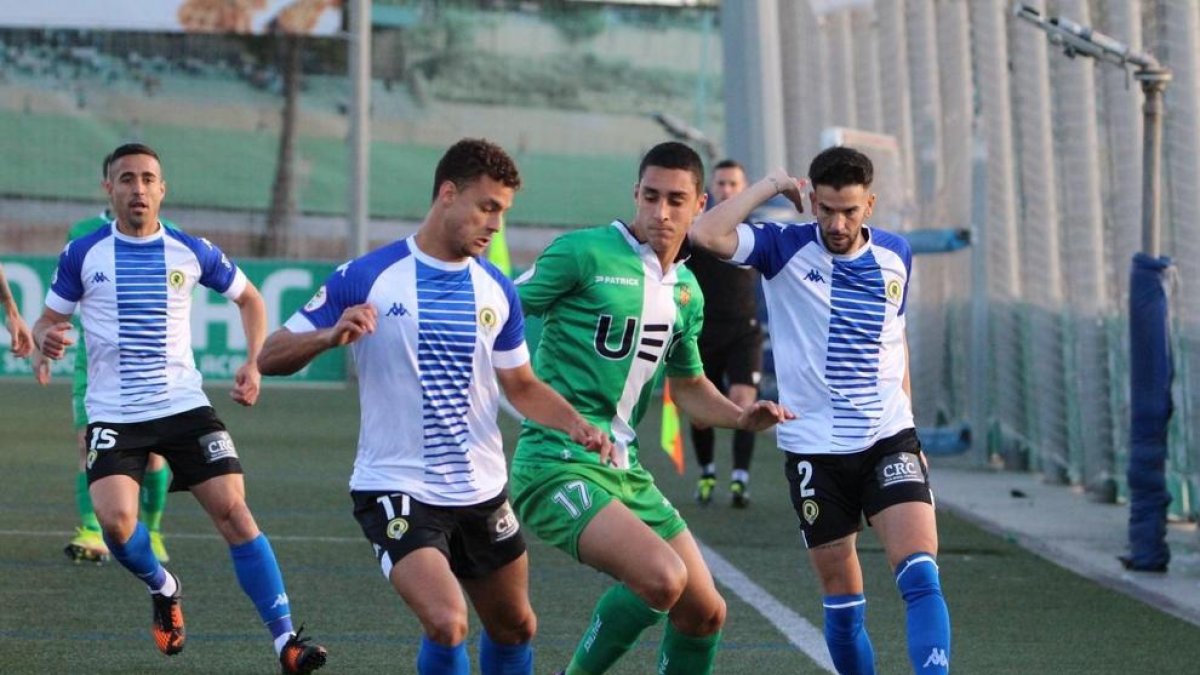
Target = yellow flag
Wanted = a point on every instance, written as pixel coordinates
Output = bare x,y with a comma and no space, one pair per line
672,439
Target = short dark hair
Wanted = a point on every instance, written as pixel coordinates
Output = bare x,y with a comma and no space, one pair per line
674,155
729,164
125,151
471,158
840,166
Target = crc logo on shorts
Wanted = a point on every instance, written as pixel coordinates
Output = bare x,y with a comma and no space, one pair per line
217,446
488,318
810,510
502,524
317,300
175,279
396,528
894,290
900,467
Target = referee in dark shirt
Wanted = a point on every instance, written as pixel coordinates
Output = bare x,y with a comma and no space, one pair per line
730,345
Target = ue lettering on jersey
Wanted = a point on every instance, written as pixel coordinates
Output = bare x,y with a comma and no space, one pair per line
427,389
840,362
135,300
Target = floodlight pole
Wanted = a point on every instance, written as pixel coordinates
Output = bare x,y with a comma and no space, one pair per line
1154,83
359,137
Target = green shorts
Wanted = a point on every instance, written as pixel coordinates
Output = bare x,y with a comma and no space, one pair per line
556,502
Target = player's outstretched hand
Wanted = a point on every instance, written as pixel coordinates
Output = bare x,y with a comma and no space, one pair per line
41,368
789,186
355,322
246,384
22,339
762,415
594,440
56,341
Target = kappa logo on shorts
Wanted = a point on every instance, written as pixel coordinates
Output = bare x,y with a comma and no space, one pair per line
900,467
217,446
503,523
396,528
810,510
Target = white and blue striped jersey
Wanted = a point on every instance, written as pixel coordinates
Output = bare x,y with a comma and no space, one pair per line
427,387
837,327
135,299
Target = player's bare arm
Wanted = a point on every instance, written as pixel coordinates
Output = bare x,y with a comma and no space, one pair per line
716,230
700,399
248,379
22,340
540,403
50,333
286,352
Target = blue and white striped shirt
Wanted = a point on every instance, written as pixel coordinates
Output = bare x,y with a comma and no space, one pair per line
135,300
837,332
427,390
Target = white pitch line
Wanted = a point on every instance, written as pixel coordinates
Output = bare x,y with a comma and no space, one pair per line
794,627
185,535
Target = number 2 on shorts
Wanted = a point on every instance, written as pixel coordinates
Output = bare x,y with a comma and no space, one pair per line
563,499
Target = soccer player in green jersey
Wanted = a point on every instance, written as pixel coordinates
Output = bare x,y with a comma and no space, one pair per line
619,306
88,544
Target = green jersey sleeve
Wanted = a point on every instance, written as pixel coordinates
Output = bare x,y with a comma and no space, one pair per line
555,273
683,357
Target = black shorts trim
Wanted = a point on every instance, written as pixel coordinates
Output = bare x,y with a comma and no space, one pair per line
195,444
832,493
732,352
477,540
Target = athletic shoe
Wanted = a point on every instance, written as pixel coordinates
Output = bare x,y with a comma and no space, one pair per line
704,489
300,657
88,546
160,549
167,629
739,494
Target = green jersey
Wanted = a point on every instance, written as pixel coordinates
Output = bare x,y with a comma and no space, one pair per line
612,319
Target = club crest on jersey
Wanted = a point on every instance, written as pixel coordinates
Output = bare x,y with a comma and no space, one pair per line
488,318
685,296
396,528
893,290
317,300
810,511
175,279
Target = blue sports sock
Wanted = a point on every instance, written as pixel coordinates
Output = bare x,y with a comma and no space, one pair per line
435,659
261,580
497,659
135,555
928,619
846,634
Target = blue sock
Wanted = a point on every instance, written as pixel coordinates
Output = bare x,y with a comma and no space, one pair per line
495,659
846,634
928,619
434,659
135,555
261,580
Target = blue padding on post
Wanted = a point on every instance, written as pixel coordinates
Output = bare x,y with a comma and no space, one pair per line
1150,375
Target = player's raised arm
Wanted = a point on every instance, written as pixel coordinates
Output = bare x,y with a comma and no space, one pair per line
22,340
540,403
716,230
286,352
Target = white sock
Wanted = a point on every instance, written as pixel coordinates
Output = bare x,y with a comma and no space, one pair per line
740,474
169,588
281,641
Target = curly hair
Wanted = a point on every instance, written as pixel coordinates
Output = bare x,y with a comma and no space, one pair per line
471,158
840,166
